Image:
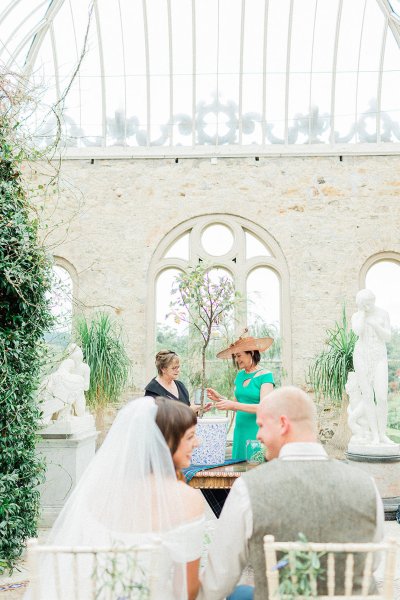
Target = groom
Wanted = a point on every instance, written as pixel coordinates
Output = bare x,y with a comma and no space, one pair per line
302,490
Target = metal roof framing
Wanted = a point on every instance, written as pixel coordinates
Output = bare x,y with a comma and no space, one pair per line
37,33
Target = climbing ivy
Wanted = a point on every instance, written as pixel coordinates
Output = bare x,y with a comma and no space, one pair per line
25,277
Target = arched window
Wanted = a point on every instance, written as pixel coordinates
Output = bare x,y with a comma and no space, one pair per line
230,246
381,274
61,304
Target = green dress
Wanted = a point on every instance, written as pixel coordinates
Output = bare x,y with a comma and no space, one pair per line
246,427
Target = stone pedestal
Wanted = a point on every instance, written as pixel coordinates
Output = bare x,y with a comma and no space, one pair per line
72,425
67,456
373,450
385,470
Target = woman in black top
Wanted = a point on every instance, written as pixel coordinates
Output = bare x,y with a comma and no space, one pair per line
166,383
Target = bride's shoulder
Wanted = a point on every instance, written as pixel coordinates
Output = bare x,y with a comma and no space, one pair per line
193,500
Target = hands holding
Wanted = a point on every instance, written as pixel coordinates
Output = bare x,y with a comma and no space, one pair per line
206,407
221,402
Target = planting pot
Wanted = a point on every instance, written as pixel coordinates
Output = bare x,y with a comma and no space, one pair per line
212,436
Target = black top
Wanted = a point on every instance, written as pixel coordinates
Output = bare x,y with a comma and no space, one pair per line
155,389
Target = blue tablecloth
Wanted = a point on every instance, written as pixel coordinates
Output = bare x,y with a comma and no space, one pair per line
191,471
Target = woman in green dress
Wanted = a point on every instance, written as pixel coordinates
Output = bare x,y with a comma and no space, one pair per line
252,384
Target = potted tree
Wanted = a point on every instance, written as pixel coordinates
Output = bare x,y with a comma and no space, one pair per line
110,368
328,374
205,302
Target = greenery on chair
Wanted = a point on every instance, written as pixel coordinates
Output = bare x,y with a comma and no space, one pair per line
300,570
104,351
25,276
121,575
328,372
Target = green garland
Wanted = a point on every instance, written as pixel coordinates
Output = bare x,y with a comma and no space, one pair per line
24,317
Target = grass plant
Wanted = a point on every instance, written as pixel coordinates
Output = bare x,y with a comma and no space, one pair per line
328,372
104,351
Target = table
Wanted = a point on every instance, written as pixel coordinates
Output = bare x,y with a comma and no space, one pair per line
221,478
216,483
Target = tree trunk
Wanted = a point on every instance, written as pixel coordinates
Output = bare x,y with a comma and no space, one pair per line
203,381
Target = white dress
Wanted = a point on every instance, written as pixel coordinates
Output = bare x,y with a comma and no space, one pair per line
123,578
129,495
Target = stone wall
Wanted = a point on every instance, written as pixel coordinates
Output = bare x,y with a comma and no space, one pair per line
327,215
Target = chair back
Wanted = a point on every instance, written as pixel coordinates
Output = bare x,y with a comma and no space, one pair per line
93,573
345,555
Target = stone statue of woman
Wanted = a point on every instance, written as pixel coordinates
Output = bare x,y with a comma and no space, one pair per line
372,326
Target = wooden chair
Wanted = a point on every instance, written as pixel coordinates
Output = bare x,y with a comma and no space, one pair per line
387,551
93,573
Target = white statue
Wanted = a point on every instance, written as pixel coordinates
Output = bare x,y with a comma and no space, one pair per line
357,418
63,392
369,413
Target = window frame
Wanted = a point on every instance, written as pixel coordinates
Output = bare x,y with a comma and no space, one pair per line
240,269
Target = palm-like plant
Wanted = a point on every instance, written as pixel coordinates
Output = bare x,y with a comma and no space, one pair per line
328,372
104,351
328,375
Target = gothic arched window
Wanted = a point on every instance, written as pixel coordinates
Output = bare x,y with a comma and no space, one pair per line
61,305
381,274
233,247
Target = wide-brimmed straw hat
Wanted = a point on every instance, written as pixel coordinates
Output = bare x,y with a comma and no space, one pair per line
246,344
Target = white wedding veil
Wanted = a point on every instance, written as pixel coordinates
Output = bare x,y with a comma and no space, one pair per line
128,494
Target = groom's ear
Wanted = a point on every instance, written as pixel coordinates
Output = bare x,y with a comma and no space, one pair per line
285,424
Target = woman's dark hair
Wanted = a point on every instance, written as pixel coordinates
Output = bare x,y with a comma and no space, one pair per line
173,419
255,355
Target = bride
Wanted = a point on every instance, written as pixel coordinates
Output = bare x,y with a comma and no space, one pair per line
132,493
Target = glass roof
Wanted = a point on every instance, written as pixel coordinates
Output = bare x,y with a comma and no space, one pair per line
210,72
395,6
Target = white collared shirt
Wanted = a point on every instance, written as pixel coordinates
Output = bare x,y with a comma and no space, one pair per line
229,552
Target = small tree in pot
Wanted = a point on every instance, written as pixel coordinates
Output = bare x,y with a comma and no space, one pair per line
328,374
104,351
204,303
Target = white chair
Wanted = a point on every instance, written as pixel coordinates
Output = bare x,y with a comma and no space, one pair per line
93,573
387,551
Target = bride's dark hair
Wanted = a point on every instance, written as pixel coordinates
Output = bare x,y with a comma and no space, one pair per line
173,419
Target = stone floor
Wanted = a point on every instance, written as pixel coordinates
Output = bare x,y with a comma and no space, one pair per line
13,587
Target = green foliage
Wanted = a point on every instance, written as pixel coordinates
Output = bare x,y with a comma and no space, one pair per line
206,305
393,350
25,275
104,351
121,576
168,337
328,372
261,329
300,571
270,360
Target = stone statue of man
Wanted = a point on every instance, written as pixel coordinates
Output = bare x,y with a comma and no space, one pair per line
63,392
357,420
372,326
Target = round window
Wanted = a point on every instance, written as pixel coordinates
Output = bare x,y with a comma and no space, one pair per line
217,240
